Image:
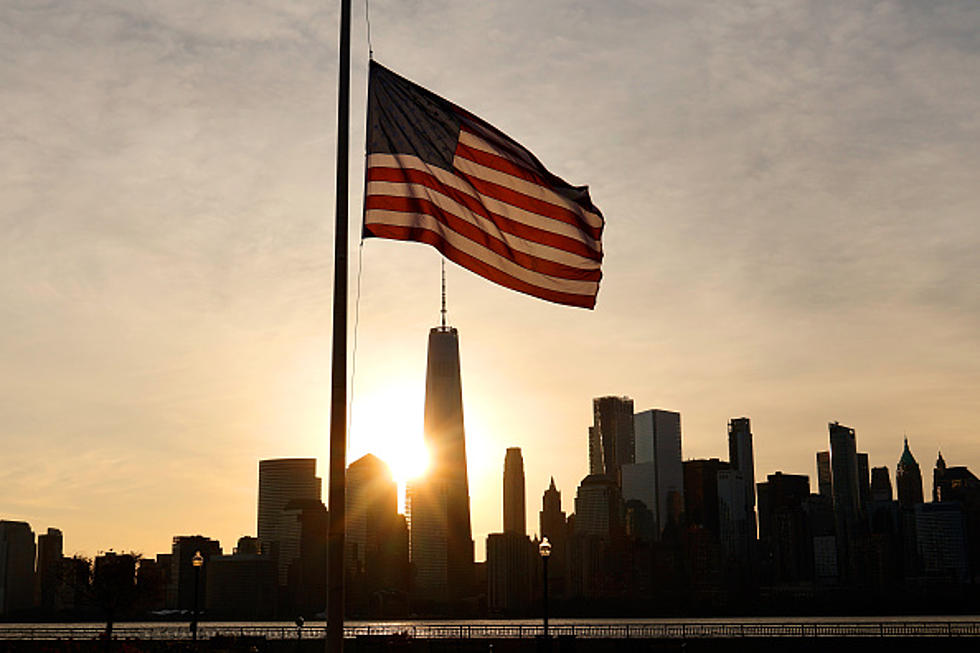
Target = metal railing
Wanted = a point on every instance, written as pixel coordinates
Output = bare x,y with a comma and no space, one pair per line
638,630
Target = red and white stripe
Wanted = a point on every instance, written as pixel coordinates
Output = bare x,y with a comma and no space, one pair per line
495,213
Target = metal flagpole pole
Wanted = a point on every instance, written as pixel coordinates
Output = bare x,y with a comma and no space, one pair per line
338,394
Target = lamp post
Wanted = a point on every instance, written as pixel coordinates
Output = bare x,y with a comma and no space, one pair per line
545,550
198,562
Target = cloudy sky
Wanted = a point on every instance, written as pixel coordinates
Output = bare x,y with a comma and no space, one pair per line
793,224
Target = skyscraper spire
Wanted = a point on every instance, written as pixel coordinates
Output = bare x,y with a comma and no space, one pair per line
443,293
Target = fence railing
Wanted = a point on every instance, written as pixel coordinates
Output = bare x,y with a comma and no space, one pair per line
639,630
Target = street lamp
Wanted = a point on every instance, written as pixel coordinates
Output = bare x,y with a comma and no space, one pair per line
545,550
198,562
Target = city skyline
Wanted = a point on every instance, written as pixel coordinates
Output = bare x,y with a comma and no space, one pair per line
791,237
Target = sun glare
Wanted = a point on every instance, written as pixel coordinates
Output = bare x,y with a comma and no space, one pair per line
388,424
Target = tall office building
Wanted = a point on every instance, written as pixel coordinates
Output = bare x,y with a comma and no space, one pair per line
440,503
377,538
783,526
302,559
846,487
824,475
845,483
510,568
515,515
598,507
50,557
428,540
908,478
282,480
554,525
180,591
372,504
864,479
881,484
742,461
17,552
657,443
611,442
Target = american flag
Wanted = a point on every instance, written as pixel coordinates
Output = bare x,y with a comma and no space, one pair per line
437,174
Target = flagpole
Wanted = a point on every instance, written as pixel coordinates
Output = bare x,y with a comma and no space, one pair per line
338,384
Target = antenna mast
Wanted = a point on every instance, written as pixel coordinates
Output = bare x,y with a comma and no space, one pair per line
443,293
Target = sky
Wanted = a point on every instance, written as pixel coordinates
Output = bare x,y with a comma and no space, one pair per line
792,225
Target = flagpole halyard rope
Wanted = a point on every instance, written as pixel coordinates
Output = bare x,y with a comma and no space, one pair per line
367,19
353,358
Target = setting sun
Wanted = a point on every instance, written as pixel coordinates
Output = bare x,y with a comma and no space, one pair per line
388,423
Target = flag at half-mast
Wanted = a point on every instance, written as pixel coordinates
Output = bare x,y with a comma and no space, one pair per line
439,175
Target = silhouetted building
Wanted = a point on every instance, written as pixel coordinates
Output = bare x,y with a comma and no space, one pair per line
881,485
657,444
733,519
247,545
554,525
282,480
848,509
509,572
598,507
864,479
611,436
703,518
823,474
180,592
515,519
303,549
425,501
17,554
377,537
820,522
958,484
783,532
447,490
701,492
152,578
241,586
50,558
908,478
941,541
742,460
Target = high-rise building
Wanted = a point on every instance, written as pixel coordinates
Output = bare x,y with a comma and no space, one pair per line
377,537
509,572
864,480
881,484
848,510
783,533
554,526
598,507
941,541
282,480
741,457
449,571
50,556
701,493
241,586
302,560
908,478
180,592
742,461
611,440
17,552
425,500
552,517
657,442
515,516
372,503
823,475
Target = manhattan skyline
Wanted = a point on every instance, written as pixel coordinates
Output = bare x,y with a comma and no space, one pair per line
791,235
